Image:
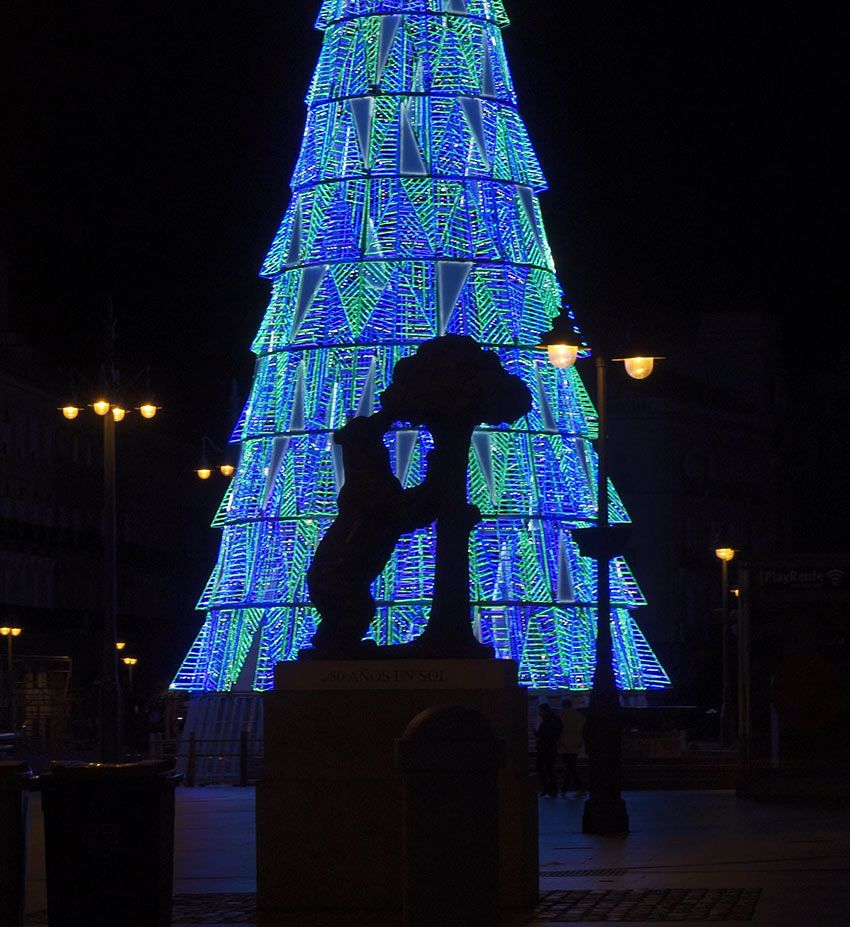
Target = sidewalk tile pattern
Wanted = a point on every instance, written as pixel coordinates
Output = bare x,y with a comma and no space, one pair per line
646,905
556,907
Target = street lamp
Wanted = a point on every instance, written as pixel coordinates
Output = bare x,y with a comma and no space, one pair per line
109,707
725,555
10,634
129,662
604,811
204,470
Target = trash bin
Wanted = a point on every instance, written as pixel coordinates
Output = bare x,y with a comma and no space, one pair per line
15,778
109,843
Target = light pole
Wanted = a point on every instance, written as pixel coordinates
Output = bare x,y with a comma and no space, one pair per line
725,555
109,697
604,811
10,634
129,662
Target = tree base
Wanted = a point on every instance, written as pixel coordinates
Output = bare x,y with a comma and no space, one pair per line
605,816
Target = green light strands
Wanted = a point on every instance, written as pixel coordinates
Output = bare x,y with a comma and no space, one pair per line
414,213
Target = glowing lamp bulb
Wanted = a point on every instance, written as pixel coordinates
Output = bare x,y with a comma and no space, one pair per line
227,469
120,645
118,413
725,554
70,412
5,631
639,368
101,407
16,632
204,473
129,661
562,355
148,410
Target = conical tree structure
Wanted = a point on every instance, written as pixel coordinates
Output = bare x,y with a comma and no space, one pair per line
414,213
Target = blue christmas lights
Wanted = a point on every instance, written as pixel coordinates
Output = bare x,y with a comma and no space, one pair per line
414,213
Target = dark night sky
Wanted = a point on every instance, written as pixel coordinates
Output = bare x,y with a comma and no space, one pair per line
690,150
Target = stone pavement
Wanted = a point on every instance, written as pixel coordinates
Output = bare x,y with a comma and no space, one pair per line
695,857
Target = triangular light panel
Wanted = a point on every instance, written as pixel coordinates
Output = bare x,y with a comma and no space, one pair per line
451,277
405,445
389,29
294,252
311,279
484,454
280,445
488,85
475,120
565,593
366,406
362,110
409,156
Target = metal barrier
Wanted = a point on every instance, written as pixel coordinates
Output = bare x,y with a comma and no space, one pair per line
216,762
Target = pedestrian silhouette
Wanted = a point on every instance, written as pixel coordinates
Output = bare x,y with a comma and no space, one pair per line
547,734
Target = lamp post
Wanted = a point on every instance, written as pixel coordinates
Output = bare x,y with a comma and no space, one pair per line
725,555
604,811
111,412
204,470
10,634
129,662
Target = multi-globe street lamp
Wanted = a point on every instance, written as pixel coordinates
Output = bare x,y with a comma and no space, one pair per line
604,811
725,555
10,634
129,662
204,470
111,411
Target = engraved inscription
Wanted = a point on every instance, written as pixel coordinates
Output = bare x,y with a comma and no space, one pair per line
388,676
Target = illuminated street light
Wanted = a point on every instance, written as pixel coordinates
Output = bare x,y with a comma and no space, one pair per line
204,470
725,555
639,368
10,634
129,662
109,707
562,343
605,811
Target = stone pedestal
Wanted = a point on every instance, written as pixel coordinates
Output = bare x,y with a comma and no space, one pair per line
329,806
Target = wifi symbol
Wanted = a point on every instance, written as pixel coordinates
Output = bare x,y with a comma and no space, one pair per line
835,577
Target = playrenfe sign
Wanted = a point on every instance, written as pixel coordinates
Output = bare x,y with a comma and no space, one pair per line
836,577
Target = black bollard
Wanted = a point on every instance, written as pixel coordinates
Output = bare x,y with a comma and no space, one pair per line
450,757
14,800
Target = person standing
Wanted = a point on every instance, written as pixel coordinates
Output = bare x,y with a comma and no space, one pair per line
570,745
547,734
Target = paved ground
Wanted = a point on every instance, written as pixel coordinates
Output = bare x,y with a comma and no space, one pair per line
695,857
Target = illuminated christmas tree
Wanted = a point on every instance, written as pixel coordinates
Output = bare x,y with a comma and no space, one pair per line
414,213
